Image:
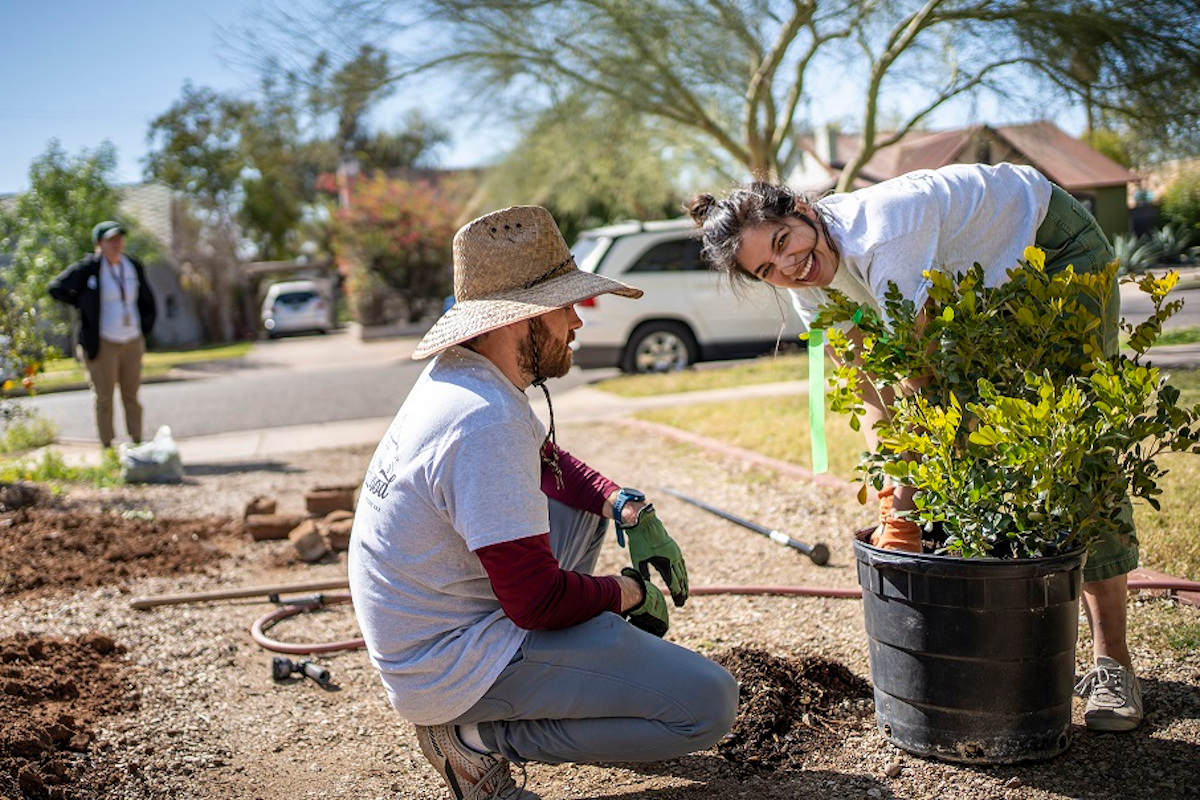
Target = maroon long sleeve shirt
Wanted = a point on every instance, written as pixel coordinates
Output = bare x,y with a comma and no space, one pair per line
534,591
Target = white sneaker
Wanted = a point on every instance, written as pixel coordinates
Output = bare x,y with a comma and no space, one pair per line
470,775
1114,697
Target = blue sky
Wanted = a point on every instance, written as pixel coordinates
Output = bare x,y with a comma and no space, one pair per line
83,71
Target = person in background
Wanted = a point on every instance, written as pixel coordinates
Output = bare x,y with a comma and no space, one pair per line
116,314
945,219
476,537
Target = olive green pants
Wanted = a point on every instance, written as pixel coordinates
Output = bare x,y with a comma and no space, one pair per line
1070,236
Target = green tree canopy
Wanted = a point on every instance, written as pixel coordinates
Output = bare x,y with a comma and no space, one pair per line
739,72
44,231
589,165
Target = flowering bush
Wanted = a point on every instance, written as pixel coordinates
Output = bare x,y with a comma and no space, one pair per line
1026,439
395,240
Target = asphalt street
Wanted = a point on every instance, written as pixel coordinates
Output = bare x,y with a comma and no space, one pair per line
1136,306
307,380
287,382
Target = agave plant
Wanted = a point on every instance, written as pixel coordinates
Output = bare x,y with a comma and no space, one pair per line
1172,242
1135,253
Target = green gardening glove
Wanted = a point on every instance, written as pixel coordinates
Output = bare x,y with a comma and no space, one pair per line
651,546
651,615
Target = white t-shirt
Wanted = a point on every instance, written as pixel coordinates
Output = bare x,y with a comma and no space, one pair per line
945,219
120,321
458,469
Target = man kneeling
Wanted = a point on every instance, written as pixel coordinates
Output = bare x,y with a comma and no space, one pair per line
476,536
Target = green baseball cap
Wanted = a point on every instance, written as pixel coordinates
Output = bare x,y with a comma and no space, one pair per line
107,230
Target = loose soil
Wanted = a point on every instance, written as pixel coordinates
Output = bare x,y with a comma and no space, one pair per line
49,550
100,700
51,692
787,706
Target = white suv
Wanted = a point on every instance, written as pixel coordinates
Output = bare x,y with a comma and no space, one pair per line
688,314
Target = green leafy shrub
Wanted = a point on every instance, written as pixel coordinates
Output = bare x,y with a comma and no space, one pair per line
1181,201
1026,439
23,431
53,469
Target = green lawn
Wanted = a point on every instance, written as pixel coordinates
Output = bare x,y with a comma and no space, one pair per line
778,427
66,372
789,366
1180,336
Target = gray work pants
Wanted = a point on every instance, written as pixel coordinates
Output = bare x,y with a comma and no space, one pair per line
601,691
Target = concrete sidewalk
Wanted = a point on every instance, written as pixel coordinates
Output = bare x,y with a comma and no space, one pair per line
576,405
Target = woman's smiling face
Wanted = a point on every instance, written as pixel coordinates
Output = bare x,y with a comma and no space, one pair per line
791,253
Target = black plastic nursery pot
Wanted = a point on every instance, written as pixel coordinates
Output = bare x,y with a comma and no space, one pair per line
973,660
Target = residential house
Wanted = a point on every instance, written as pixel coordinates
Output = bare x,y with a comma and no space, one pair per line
1094,179
154,207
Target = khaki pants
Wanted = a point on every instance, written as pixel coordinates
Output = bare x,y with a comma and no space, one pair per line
116,365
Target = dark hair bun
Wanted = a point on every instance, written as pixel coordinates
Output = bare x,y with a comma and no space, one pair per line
700,206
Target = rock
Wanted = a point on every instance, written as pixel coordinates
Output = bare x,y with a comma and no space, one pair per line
337,516
30,781
20,494
893,769
321,500
1013,783
271,526
338,534
99,642
260,505
310,547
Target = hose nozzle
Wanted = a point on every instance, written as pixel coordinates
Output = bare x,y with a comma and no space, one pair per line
283,668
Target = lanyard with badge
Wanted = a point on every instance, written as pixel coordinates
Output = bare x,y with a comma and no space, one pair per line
120,279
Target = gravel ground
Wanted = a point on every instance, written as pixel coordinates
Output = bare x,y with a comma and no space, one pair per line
211,723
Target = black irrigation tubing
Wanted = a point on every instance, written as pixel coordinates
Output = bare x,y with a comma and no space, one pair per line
818,553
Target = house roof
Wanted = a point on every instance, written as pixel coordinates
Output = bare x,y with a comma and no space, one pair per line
1067,161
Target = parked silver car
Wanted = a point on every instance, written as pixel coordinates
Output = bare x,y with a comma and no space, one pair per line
688,314
295,307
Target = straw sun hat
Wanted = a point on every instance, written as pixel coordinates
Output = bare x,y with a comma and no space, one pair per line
511,265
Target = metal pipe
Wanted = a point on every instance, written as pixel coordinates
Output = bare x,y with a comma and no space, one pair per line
150,601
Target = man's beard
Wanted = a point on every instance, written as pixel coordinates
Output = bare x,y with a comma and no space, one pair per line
550,358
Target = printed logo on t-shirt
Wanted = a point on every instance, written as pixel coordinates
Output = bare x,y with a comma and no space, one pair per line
379,483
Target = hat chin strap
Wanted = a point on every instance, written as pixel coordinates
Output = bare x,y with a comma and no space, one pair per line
539,380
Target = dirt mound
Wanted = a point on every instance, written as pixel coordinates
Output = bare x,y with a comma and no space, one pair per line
21,494
788,706
51,692
43,549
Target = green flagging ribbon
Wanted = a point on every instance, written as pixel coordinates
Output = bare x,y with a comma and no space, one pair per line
816,399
